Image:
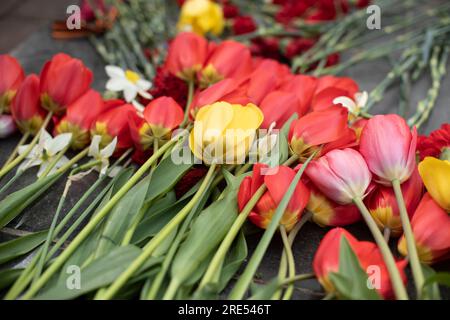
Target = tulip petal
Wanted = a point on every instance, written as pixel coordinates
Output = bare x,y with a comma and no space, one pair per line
435,174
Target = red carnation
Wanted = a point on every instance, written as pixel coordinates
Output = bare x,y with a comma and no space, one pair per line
244,24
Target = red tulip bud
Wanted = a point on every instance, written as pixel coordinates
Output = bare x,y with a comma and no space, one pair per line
326,260
114,123
186,56
389,147
11,76
430,225
341,175
382,203
63,80
26,106
80,116
229,59
277,181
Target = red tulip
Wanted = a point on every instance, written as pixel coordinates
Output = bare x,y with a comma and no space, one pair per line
326,212
277,181
383,206
26,106
430,225
357,126
228,90
79,118
114,123
11,76
303,87
163,115
318,130
63,80
326,260
330,87
186,56
389,148
229,59
278,107
341,175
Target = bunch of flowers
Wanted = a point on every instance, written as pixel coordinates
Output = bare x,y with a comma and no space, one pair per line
254,142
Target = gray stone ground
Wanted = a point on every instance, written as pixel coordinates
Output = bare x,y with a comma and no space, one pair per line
39,47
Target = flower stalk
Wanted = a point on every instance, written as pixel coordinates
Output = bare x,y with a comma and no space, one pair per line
150,247
414,261
54,267
397,283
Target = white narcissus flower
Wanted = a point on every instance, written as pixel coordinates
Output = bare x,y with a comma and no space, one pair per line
46,152
262,147
128,82
102,155
355,105
7,125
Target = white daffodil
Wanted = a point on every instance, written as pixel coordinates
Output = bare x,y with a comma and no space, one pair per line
354,106
102,155
128,82
262,148
7,125
46,152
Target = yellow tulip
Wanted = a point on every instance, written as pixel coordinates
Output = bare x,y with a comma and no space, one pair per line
435,174
224,132
201,16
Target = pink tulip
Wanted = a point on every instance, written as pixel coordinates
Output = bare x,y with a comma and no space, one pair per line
389,146
342,175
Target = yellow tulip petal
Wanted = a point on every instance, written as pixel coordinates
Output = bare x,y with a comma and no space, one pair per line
435,174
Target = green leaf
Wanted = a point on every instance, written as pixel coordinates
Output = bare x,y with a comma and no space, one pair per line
165,177
442,278
86,250
287,125
431,289
351,282
16,202
15,248
158,216
122,216
8,277
207,232
99,273
233,260
265,292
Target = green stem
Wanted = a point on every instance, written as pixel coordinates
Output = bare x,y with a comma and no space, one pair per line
298,277
72,161
11,181
188,103
172,290
14,152
244,281
50,234
54,267
27,274
153,292
290,260
150,247
291,237
396,279
218,258
414,261
21,157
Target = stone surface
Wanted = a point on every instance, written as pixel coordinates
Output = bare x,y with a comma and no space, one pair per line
39,47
